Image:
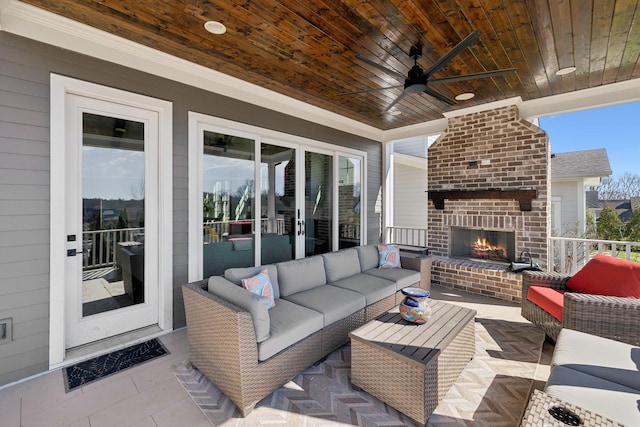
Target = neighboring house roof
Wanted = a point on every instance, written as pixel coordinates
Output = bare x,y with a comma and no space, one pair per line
580,164
622,207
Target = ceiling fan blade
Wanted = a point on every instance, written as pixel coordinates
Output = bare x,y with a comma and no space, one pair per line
369,90
395,101
381,68
439,96
471,38
453,79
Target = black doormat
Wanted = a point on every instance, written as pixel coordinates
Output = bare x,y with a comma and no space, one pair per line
102,366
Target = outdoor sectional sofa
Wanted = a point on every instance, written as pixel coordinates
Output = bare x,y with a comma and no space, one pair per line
596,374
248,351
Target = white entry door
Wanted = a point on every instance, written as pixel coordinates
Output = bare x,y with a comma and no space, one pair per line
111,219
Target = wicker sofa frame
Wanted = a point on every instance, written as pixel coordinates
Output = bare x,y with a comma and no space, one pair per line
609,317
222,342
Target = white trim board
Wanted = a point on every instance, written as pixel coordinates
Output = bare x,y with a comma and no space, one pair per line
37,24
413,161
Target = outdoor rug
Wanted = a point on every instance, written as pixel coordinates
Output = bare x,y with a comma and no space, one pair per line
102,366
491,391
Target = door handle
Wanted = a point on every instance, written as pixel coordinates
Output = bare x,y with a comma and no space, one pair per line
301,228
74,252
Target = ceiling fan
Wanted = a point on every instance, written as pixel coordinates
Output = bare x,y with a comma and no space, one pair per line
420,81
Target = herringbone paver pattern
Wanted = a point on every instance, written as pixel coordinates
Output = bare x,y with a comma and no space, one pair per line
491,391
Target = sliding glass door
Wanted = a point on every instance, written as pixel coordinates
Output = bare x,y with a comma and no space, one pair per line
262,200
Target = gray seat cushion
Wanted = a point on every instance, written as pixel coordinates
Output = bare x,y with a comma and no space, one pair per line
369,257
402,276
605,358
373,288
341,264
611,400
235,275
256,305
290,323
300,275
334,303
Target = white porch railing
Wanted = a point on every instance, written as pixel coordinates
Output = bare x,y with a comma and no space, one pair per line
215,230
568,255
99,247
406,236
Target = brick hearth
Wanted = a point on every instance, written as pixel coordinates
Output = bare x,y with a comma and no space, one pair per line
477,277
489,150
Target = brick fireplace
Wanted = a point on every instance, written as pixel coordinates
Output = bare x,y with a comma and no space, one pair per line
488,171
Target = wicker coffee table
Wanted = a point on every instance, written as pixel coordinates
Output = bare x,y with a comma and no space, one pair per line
411,367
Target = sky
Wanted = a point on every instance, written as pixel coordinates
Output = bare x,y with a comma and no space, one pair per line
615,128
110,173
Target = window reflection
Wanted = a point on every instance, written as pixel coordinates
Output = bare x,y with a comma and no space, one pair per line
228,202
349,186
278,201
318,203
113,213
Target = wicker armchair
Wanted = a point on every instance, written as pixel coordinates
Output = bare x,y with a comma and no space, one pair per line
609,317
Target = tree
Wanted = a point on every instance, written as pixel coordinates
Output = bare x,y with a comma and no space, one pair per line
622,187
590,232
123,219
632,229
629,185
609,225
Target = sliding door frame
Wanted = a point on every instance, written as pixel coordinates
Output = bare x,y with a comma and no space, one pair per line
199,122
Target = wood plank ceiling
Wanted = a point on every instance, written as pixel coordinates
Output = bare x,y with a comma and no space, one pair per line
309,49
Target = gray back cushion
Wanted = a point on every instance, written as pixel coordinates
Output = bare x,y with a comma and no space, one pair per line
369,257
300,275
341,264
256,305
235,275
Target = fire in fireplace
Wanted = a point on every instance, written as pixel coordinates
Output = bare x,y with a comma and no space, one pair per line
482,244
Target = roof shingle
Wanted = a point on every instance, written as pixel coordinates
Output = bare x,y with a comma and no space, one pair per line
574,164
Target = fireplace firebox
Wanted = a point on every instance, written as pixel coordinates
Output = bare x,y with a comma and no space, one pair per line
482,244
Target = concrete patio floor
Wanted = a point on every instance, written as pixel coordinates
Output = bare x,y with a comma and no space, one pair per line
149,395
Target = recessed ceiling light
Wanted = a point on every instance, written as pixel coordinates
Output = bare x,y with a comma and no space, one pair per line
563,71
395,112
215,27
465,96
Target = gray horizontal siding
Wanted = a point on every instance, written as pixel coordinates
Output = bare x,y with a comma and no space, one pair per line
25,68
24,216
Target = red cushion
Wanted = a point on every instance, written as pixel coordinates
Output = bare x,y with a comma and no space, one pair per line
606,275
550,300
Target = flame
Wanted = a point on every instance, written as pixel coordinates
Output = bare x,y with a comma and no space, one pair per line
483,244
482,248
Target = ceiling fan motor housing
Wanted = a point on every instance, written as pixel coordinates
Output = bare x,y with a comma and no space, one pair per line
415,82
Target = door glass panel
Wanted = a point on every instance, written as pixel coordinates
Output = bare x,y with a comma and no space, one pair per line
318,203
278,216
349,186
228,207
113,205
